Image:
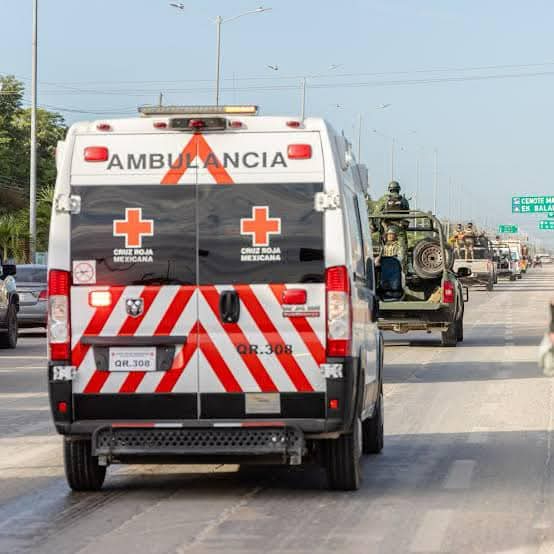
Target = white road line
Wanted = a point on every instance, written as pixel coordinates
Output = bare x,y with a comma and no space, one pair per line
460,474
431,532
22,358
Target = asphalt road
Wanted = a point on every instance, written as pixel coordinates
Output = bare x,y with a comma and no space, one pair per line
467,464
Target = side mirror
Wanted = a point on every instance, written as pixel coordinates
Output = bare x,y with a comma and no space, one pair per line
9,269
370,273
463,272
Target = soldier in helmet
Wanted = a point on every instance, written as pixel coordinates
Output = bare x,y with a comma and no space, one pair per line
469,240
457,239
392,248
396,202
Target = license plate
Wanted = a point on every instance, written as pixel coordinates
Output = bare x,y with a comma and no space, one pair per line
132,359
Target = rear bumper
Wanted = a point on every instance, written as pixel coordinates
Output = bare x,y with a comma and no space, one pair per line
113,443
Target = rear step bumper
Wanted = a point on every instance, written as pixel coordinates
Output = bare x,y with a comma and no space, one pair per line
112,443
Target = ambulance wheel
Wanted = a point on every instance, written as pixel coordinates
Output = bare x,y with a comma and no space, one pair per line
343,459
449,338
373,430
8,338
82,471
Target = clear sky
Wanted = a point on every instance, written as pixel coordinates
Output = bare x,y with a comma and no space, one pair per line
473,79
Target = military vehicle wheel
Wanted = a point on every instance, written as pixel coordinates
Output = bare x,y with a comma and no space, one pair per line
342,459
8,338
512,277
428,259
449,338
82,471
373,430
460,329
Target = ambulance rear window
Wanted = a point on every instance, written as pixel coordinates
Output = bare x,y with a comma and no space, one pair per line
260,233
135,235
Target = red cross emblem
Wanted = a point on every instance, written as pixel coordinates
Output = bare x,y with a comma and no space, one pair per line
133,228
260,226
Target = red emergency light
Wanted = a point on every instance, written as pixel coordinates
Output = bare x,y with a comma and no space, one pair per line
299,151
294,296
96,154
104,127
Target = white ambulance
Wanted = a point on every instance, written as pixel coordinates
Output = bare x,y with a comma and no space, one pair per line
211,295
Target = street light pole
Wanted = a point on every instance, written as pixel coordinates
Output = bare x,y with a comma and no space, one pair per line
303,107
218,22
392,159
33,156
436,182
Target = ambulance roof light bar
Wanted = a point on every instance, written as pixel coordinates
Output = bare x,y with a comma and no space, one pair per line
197,110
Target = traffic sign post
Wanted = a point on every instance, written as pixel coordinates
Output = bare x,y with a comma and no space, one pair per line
508,229
533,204
546,225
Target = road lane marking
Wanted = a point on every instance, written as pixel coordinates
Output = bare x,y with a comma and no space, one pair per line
431,532
22,358
460,475
34,368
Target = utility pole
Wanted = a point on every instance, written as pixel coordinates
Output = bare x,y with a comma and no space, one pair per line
416,200
303,107
218,22
360,139
161,101
436,182
392,159
33,168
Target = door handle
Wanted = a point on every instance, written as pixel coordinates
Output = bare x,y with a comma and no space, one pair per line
229,306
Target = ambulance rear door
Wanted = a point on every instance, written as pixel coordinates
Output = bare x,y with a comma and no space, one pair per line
261,274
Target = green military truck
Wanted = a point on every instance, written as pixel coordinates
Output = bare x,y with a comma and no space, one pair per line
416,285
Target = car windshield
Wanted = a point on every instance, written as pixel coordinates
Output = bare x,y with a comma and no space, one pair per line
31,274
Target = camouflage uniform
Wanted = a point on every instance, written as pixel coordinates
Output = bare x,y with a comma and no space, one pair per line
396,202
457,239
469,240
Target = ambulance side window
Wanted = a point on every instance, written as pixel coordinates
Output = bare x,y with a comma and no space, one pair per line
355,231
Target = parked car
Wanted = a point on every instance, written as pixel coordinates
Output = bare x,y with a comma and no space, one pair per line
9,306
31,288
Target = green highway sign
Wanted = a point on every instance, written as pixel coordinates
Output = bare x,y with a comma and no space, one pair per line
532,204
547,225
510,229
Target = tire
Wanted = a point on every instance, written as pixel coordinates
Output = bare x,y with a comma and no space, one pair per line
490,285
342,460
373,430
82,471
8,338
520,276
449,338
512,277
460,329
428,259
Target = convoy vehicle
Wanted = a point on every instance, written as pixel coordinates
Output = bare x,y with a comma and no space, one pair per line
9,306
31,288
517,250
545,258
505,264
211,295
482,266
420,292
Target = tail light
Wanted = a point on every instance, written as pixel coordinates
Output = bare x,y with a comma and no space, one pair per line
100,298
448,292
339,312
59,332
